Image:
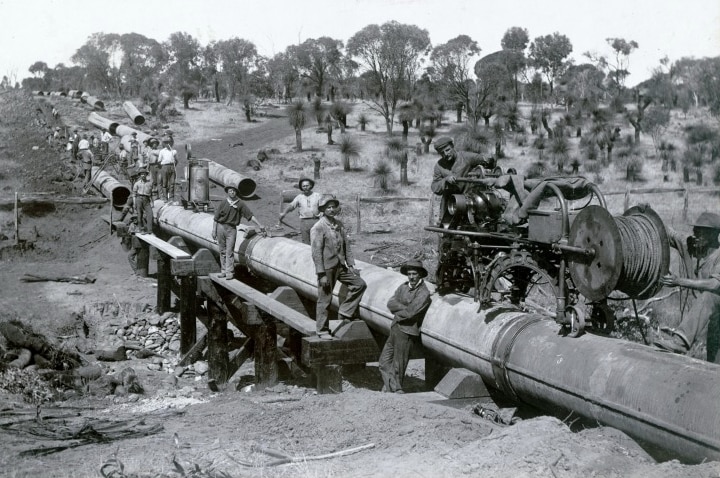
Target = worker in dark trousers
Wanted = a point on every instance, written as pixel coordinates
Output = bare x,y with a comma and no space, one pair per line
142,189
334,262
408,305
227,218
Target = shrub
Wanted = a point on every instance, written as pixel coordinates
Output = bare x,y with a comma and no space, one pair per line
394,147
381,174
362,121
349,148
536,170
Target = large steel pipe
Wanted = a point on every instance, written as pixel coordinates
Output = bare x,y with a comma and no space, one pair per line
94,102
102,123
133,113
111,188
664,400
123,130
223,176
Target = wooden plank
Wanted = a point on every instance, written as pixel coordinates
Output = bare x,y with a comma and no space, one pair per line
383,199
195,353
164,247
240,356
303,324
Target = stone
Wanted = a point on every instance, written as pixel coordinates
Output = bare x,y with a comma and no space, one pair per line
152,329
201,367
154,366
174,346
179,371
157,360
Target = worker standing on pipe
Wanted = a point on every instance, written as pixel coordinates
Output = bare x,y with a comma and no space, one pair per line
142,190
307,205
225,222
154,165
334,261
168,160
105,141
408,305
700,259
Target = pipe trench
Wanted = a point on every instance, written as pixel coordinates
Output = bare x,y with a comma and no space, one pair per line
664,400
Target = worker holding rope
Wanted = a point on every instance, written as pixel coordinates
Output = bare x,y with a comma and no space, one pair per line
700,259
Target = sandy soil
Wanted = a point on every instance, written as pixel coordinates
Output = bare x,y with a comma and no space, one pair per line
192,431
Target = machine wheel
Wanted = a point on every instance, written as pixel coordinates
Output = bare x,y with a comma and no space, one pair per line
519,279
577,321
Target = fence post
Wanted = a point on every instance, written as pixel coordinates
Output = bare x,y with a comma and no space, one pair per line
686,201
627,199
357,214
17,220
431,207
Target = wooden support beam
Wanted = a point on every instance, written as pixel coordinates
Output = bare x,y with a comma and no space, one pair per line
240,356
266,356
303,324
316,352
164,284
329,379
143,259
195,352
217,345
188,313
164,247
205,262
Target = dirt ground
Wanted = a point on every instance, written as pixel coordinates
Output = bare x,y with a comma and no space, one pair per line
178,426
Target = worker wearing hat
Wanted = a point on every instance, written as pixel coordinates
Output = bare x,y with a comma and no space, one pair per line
699,330
227,218
408,306
142,190
334,262
167,157
453,165
307,205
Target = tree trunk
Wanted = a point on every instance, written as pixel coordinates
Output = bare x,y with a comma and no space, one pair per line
362,126
316,168
388,126
458,110
247,110
698,177
406,129
298,139
329,133
217,91
486,119
346,163
403,169
686,174
186,100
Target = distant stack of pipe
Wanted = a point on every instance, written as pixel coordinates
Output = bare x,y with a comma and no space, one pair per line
133,113
665,400
224,177
75,94
110,187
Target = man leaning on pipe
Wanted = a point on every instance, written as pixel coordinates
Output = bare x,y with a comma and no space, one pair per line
700,263
408,305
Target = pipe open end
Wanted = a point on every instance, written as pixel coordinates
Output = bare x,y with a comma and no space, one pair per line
120,196
246,187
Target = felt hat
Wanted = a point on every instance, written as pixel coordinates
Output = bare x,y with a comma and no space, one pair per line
142,171
414,265
237,192
302,180
709,220
327,199
442,141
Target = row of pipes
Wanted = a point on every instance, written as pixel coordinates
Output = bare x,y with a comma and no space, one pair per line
666,401
83,96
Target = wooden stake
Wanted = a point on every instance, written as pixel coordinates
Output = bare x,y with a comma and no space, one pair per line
357,205
17,221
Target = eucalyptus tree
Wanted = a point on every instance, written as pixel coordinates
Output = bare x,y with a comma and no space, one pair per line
391,54
184,70
284,75
237,60
514,42
549,55
318,61
140,58
96,56
450,66
617,65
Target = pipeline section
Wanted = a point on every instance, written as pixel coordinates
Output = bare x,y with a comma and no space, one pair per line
111,188
224,177
664,400
103,123
133,113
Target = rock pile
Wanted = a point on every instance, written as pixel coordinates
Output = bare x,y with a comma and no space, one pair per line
157,333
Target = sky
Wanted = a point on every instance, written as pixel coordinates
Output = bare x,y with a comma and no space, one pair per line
52,30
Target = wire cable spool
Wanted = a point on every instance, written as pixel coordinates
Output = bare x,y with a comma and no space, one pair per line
632,252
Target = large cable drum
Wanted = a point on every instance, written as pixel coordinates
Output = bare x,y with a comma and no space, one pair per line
631,252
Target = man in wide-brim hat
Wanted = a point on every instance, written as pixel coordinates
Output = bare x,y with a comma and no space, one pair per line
227,218
334,262
408,305
699,331
307,205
